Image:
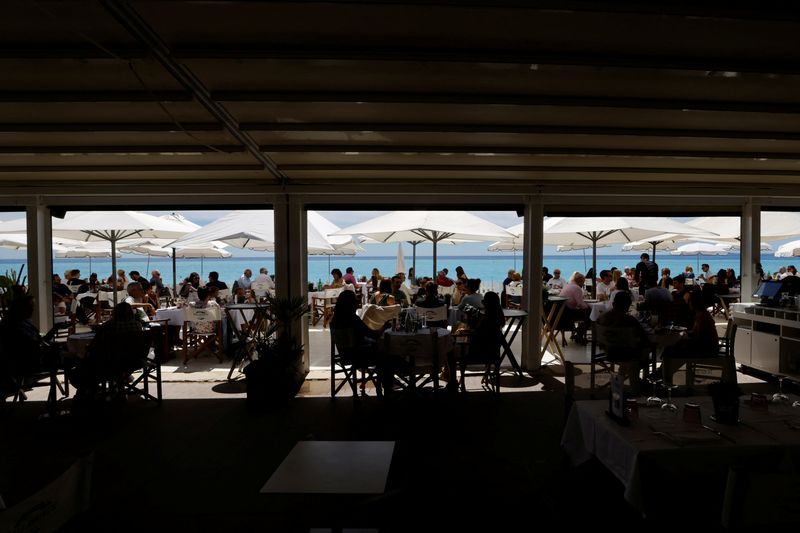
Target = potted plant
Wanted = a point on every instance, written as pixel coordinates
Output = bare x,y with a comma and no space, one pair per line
277,374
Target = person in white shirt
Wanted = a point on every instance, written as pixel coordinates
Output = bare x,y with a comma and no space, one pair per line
790,271
556,282
604,286
263,277
244,281
135,299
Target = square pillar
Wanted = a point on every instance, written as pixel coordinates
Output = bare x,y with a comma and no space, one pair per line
40,264
532,262
291,269
750,237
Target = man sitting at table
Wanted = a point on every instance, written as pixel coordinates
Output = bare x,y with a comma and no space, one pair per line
349,277
135,299
432,301
213,281
399,294
556,283
472,297
604,286
575,310
244,281
624,338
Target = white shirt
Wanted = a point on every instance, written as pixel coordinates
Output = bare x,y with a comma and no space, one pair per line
141,315
556,283
244,282
264,278
603,291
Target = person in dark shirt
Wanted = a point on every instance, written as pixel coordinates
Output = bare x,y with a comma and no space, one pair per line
646,272
546,275
213,281
355,341
135,276
59,288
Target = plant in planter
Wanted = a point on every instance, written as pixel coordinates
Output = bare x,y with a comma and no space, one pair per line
277,374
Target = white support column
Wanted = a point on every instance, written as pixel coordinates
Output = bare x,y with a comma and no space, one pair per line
532,282
750,247
291,244
40,264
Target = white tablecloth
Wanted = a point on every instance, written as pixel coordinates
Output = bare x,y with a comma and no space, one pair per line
639,457
598,308
173,314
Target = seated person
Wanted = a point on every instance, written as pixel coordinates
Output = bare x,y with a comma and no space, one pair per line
338,280
604,286
516,281
349,276
399,294
702,340
213,281
680,312
115,352
657,300
204,300
624,338
472,297
442,280
666,281
556,283
346,326
458,295
432,301
60,289
383,296
621,286
188,288
23,351
485,330
136,299
575,310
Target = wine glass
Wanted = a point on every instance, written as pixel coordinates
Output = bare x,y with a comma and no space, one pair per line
668,405
780,396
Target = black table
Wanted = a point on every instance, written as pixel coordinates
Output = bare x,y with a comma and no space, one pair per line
514,320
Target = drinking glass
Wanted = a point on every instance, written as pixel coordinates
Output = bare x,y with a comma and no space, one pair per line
668,405
780,396
424,320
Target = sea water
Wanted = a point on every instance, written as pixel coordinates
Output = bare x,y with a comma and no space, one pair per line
491,269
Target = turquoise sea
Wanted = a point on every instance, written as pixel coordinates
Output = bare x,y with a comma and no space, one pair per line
491,269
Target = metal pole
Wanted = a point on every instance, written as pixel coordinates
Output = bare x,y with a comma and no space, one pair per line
654,251
594,267
434,259
414,259
174,276
114,264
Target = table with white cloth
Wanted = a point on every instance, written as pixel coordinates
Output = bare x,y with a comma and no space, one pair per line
174,315
418,345
597,309
453,314
667,465
247,318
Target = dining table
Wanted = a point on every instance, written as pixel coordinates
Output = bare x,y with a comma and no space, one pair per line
668,462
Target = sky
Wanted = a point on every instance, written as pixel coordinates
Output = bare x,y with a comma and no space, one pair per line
504,219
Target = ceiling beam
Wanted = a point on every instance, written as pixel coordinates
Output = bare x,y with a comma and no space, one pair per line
535,168
130,168
129,19
522,150
122,149
512,129
87,127
622,60
521,100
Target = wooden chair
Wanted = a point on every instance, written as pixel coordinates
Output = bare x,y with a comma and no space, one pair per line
487,355
150,370
202,332
724,361
413,359
615,346
434,316
322,306
347,360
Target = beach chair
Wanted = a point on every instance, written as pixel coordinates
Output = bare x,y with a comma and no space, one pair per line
322,306
202,332
347,360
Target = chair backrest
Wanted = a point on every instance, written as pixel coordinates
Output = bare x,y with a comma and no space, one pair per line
375,316
224,294
619,341
344,339
106,296
432,314
444,291
514,290
333,293
688,281
421,346
202,314
259,286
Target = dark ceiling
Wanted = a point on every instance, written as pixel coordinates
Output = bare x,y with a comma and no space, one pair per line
314,93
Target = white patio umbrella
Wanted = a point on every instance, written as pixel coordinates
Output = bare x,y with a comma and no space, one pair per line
114,226
790,249
611,230
699,248
415,227
253,229
774,225
400,261
161,248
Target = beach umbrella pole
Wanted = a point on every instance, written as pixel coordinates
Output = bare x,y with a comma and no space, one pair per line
434,259
201,267
114,266
174,276
654,252
594,267
414,260
147,270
